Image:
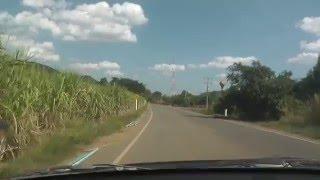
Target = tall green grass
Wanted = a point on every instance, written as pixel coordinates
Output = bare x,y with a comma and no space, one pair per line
301,113
299,117
62,145
35,102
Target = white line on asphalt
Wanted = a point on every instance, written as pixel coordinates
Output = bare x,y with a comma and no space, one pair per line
274,131
125,151
85,157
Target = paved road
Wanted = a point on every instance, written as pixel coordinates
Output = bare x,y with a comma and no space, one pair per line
174,134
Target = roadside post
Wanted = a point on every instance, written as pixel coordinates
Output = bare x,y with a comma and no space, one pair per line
136,104
225,112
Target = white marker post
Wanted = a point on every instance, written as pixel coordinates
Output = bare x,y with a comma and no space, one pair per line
225,112
136,104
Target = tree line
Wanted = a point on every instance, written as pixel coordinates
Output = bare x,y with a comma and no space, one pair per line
257,93
129,84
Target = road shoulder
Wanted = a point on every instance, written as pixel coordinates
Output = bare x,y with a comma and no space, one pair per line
107,149
258,127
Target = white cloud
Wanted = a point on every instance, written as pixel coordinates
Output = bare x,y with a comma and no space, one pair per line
36,22
27,23
192,66
110,68
109,65
101,22
44,3
114,73
168,68
220,62
42,52
224,62
304,58
313,46
310,25
85,22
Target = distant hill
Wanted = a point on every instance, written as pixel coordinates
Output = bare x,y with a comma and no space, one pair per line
89,79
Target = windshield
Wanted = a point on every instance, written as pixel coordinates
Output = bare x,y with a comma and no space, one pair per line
128,82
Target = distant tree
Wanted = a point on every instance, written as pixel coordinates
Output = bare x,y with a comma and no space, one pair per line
182,99
255,91
131,85
185,98
147,94
89,79
156,96
103,81
310,85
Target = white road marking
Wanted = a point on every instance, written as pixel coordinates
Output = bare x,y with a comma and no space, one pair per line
129,146
265,129
85,157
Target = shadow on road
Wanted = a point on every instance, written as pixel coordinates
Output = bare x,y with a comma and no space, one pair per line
198,116
215,116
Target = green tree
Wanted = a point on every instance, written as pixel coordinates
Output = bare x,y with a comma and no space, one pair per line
103,81
131,85
310,85
156,96
255,91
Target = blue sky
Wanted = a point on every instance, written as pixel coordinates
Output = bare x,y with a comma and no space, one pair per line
151,38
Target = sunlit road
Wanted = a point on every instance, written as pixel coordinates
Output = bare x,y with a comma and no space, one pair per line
174,134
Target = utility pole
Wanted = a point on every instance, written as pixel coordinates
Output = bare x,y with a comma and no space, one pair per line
207,82
173,82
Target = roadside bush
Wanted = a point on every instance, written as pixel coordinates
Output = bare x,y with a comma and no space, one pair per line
294,111
255,92
227,101
314,115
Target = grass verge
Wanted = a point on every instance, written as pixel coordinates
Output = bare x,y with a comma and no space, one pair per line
306,130
300,127
61,145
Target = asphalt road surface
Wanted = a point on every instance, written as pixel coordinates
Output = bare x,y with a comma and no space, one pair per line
173,134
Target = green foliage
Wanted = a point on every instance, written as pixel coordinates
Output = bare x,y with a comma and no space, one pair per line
63,143
314,115
310,85
36,101
187,99
131,85
183,99
307,130
255,92
156,97
103,81
294,111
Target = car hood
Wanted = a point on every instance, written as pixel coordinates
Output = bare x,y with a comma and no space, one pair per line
263,163
238,163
